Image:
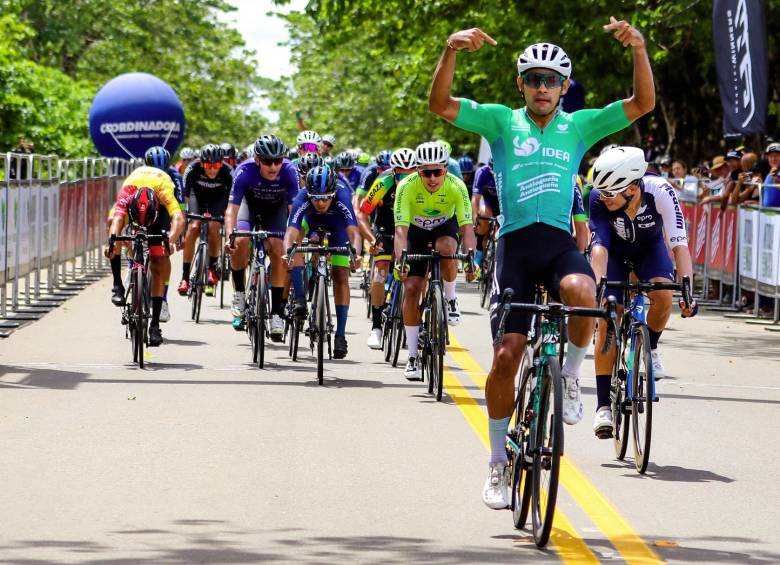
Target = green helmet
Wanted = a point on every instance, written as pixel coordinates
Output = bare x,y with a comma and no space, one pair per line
364,159
446,144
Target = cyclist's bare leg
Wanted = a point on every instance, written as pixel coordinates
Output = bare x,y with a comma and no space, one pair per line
413,287
215,240
605,361
161,271
447,245
579,290
500,387
661,307
190,239
378,278
340,286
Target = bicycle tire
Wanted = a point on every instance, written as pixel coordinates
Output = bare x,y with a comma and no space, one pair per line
131,315
399,332
641,403
387,332
438,342
620,416
260,315
547,452
222,269
487,275
319,320
140,333
521,477
194,280
203,279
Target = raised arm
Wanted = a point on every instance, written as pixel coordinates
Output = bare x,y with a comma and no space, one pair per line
440,100
643,99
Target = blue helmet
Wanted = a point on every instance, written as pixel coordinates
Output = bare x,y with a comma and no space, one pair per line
383,158
466,164
321,181
157,157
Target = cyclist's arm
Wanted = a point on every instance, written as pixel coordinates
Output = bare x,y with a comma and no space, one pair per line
476,200
643,99
290,236
231,217
399,243
467,237
462,203
365,227
602,235
598,261
581,234
674,226
178,222
353,233
440,100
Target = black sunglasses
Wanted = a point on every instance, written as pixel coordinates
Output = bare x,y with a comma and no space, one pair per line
270,162
428,173
550,81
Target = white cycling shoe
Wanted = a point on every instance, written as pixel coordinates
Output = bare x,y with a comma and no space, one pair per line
572,399
603,424
165,313
239,303
453,312
658,367
277,326
495,494
412,370
374,340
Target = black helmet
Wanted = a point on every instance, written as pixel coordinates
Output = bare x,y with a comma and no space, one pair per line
383,158
157,157
228,151
210,153
308,162
143,208
321,181
270,147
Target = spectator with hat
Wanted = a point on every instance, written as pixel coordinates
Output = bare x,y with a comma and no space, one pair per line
719,175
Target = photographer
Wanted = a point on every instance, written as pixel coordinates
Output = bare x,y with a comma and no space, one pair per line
770,196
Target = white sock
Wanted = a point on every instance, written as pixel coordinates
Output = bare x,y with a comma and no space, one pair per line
573,359
449,290
412,338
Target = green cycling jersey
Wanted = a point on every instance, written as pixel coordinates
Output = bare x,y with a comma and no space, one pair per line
536,170
415,205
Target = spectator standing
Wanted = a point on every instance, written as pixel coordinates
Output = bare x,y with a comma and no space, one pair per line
770,195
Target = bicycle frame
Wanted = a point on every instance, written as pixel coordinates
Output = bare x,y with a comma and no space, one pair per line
635,316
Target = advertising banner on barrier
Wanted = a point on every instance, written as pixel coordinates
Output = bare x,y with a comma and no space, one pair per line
3,230
748,248
80,214
689,214
767,257
93,201
715,255
730,236
701,231
48,220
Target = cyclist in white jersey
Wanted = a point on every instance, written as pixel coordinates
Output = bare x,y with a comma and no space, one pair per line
537,150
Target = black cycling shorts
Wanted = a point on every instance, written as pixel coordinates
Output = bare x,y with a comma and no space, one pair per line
418,240
209,201
268,216
536,254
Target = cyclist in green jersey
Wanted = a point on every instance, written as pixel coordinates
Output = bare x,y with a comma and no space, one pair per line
537,150
431,207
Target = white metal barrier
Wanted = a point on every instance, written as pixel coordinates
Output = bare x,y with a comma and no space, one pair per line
52,223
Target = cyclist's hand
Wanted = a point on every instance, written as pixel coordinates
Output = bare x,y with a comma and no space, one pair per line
375,248
470,275
229,250
170,248
355,262
625,33
108,252
286,259
469,39
401,275
689,312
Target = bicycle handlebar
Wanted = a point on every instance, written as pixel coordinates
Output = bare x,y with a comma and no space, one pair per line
436,256
684,287
324,249
206,217
142,235
254,234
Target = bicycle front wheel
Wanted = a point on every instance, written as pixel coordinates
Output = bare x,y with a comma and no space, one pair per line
548,447
399,332
641,400
260,316
223,274
438,338
138,316
620,416
487,276
319,320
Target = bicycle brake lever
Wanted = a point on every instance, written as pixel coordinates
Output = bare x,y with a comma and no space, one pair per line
611,325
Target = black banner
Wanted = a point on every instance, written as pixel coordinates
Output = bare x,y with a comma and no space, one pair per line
739,36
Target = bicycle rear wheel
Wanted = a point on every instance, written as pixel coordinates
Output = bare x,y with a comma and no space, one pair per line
223,270
387,332
548,447
319,320
521,477
641,401
486,279
399,332
132,312
620,416
195,287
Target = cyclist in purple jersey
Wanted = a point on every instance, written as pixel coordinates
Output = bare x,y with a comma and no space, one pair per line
484,202
636,218
325,203
261,196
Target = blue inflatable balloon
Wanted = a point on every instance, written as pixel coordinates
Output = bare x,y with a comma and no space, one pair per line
574,99
134,112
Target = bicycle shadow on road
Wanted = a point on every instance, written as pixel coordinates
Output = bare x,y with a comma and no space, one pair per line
672,473
42,377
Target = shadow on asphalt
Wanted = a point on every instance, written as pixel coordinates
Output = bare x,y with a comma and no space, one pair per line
671,473
43,378
662,395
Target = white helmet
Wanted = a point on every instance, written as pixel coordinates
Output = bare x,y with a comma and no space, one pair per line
432,153
331,139
617,169
308,136
544,56
607,148
188,153
403,158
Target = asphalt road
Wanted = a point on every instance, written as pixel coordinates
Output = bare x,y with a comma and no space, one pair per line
203,458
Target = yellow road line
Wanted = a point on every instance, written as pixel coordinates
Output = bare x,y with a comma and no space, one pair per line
603,513
571,548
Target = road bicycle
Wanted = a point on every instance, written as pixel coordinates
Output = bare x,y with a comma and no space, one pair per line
256,306
320,325
200,263
393,331
535,437
434,334
487,267
137,310
632,389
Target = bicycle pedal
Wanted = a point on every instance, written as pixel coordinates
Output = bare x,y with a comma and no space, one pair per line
604,433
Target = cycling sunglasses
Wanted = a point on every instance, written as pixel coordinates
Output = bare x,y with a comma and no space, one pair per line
429,173
312,147
609,195
213,166
550,81
272,162
322,197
